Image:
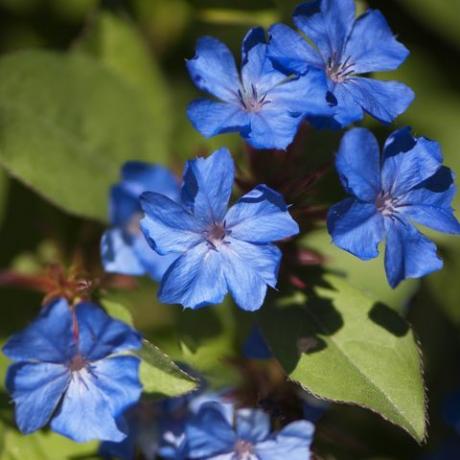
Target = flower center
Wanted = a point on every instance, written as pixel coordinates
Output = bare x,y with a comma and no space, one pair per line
215,235
338,71
77,363
386,204
243,449
251,100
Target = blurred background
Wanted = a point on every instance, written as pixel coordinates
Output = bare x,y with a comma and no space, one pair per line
35,233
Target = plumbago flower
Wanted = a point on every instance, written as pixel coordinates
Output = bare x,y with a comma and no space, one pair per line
220,250
70,368
407,185
262,104
344,49
124,249
219,432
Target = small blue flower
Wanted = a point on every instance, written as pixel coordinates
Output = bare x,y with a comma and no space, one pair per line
262,104
221,250
255,346
123,247
345,48
71,367
407,185
219,432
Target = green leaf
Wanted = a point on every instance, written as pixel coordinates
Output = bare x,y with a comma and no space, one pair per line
160,376
367,276
118,45
43,446
68,124
117,311
344,346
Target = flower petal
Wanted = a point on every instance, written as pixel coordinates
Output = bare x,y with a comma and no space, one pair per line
209,433
213,117
245,283
292,442
356,227
408,254
261,216
408,162
138,177
372,47
254,37
36,389
208,184
49,338
252,425
327,23
167,225
358,164
290,52
195,279
384,100
100,335
85,412
440,219
117,253
213,69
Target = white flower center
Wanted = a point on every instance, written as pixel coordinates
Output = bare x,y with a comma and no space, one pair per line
215,235
386,204
243,449
338,71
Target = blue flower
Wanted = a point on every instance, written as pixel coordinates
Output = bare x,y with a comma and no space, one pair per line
407,185
71,367
255,346
262,104
345,48
219,432
123,247
221,250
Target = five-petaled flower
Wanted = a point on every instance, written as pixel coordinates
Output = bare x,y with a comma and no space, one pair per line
263,104
124,249
345,47
220,432
407,185
218,250
71,367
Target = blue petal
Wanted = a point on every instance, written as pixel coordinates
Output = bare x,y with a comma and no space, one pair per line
86,413
327,23
261,216
372,47
136,178
36,389
430,203
255,346
345,111
194,279
408,254
213,117
154,264
255,36
252,425
213,69
356,227
208,185
117,253
305,94
290,52
49,338
246,284
358,164
293,442
408,162
384,100
100,335
209,433
167,225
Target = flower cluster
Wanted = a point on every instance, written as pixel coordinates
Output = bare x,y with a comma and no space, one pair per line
73,367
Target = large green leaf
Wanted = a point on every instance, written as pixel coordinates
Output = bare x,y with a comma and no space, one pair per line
344,346
67,124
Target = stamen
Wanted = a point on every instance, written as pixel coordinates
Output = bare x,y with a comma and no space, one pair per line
386,204
243,449
77,363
